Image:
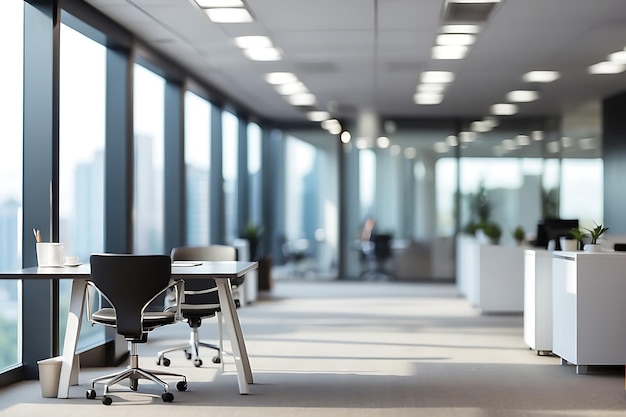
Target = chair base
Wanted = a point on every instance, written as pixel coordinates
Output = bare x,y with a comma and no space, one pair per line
192,346
134,373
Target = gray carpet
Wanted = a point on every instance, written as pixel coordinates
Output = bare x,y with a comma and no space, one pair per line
339,349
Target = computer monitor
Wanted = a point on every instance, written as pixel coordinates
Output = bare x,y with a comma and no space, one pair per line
553,229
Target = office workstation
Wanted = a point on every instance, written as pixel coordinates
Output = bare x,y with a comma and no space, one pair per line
140,126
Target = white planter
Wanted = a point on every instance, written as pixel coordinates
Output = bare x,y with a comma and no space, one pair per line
592,247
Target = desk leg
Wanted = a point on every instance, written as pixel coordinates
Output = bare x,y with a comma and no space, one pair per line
242,363
74,316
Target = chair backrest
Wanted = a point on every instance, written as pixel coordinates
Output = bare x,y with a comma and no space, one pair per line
129,283
203,253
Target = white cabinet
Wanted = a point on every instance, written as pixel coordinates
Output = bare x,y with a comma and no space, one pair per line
491,277
588,308
538,300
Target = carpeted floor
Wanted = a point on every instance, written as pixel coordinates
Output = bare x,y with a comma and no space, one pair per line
337,349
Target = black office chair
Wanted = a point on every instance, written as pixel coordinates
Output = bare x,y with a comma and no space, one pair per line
129,283
200,301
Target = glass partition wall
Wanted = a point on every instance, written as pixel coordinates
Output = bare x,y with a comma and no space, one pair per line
11,84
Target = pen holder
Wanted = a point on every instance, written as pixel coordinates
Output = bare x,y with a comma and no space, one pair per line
49,254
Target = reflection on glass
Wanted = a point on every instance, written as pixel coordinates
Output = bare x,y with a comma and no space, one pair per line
301,186
254,172
367,183
11,85
229,171
81,159
197,167
148,233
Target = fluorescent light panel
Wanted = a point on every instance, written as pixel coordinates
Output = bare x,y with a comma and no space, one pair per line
291,88
455,39
606,67
541,76
428,98
471,29
275,78
522,96
437,77
229,15
317,115
303,99
206,4
263,54
253,42
449,52
503,109
431,88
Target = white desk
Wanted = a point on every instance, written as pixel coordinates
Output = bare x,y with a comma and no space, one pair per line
221,272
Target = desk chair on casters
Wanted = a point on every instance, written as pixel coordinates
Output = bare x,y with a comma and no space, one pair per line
200,301
129,283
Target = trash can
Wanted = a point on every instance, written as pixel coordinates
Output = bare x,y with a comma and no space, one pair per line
49,373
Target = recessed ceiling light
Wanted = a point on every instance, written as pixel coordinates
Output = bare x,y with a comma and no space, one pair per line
480,126
302,99
291,88
345,136
541,76
473,1
253,42
522,96
606,67
452,140
410,153
280,77
263,54
317,116
431,88
383,142
205,4
437,77
537,135
330,124
428,98
231,15
503,109
522,140
618,57
455,39
460,29
449,52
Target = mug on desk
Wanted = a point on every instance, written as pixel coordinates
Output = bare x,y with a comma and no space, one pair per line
49,254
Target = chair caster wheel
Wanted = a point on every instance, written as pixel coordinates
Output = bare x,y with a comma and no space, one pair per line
181,385
197,363
216,359
166,362
167,397
187,355
90,394
107,400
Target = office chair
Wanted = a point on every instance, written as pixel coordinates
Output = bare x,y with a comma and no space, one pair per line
200,301
379,253
129,283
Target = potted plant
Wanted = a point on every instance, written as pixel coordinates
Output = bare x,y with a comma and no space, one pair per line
578,234
518,234
492,231
595,233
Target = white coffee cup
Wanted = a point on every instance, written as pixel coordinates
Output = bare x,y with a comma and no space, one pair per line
71,260
49,254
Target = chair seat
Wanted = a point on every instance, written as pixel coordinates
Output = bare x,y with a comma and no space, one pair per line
151,319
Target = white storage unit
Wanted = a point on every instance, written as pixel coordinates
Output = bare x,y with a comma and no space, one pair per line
588,308
538,300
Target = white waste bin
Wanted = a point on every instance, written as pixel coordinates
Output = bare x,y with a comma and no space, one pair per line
49,373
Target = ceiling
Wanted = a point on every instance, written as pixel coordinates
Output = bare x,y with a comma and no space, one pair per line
360,56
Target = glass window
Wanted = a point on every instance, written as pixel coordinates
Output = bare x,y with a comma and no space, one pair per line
197,166
254,173
229,171
301,189
81,158
11,85
367,183
582,190
148,222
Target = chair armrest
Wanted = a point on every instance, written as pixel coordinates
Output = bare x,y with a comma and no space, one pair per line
179,291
